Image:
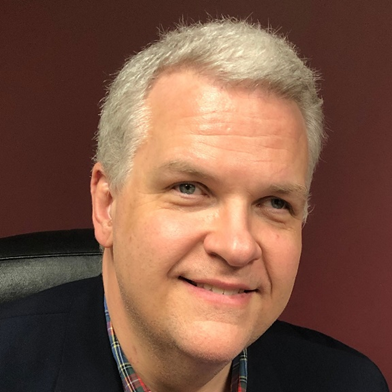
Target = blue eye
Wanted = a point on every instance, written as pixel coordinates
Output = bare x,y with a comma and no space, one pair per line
279,204
186,188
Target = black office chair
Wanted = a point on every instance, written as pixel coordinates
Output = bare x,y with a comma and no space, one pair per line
34,262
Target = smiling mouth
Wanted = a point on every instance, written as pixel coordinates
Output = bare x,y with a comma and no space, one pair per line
217,290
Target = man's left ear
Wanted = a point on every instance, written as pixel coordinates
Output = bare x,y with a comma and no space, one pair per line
102,203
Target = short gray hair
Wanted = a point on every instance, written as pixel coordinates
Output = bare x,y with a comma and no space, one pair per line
230,51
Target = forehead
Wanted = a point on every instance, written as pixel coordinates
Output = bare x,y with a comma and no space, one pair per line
186,94
187,102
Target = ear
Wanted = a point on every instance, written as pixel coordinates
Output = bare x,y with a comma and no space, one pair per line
102,201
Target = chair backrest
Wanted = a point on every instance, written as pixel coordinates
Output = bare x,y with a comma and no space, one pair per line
34,262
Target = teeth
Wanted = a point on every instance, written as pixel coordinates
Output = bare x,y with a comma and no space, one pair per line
219,290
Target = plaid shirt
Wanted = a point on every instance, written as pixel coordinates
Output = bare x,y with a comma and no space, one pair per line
132,383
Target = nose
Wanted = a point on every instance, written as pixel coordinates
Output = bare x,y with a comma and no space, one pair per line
230,237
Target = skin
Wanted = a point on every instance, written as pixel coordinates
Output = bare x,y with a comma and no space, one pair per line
216,197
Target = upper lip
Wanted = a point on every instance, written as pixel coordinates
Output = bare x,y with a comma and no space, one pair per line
224,285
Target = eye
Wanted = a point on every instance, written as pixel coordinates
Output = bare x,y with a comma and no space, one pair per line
279,204
188,189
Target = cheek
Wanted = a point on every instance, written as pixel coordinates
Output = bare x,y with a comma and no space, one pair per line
170,228
161,238
282,258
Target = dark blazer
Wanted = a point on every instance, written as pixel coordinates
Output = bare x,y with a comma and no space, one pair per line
56,340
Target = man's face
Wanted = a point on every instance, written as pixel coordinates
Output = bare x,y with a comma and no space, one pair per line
206,233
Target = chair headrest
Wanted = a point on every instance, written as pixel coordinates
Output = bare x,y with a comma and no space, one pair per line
34,262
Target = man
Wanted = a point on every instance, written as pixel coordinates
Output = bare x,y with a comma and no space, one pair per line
206,147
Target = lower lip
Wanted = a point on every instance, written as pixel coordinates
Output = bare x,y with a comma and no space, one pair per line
237,300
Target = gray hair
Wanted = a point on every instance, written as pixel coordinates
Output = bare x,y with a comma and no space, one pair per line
230,51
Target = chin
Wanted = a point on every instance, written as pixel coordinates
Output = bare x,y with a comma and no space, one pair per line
215,343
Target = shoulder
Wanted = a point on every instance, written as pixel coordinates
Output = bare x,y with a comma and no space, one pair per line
50,305
33,332
303,359
56,300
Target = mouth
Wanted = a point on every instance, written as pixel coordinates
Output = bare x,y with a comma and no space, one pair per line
217,290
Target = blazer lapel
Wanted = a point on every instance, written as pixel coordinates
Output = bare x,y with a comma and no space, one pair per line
87,361
261,374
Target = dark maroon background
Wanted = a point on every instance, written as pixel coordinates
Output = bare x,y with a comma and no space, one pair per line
55,57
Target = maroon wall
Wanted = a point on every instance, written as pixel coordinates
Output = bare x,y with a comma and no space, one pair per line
55,57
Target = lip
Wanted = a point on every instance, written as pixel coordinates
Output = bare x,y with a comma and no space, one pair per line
239,299
227,286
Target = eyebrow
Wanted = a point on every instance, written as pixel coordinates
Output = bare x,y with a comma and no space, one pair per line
184,167
300,191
